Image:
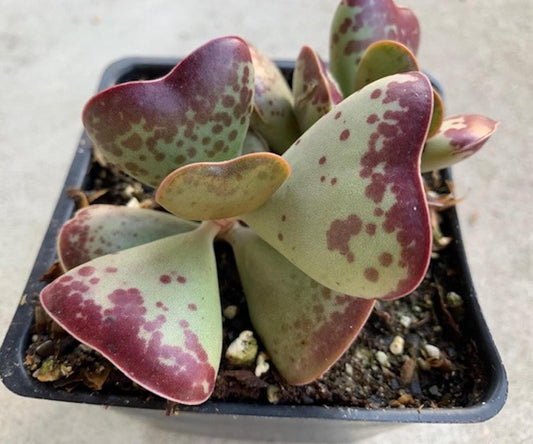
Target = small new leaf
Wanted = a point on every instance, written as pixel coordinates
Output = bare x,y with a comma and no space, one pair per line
384,58
205,191
387,57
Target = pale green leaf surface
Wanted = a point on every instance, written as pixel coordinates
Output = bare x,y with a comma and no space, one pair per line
304,326
152,310
353,214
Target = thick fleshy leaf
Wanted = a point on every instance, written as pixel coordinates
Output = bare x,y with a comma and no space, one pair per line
359,23
458,138
353,214
152,310
304,326
198,112
387,57
205,191
98,230
273,115
384,58
314,90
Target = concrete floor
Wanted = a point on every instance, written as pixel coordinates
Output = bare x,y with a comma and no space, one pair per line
52,55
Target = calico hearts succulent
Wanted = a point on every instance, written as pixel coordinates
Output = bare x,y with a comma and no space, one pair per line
317,189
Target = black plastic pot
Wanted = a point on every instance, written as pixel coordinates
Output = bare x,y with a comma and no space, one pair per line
16,378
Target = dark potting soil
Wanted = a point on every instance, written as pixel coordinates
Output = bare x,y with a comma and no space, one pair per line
411,353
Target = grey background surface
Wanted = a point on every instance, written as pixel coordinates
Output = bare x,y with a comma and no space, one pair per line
53,53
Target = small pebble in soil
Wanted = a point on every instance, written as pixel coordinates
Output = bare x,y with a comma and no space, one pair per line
432,351
230,312
130,190
382,358
396,346
453,300
405,321
273,393
243,350
434,390
348,368
407,371
133,203
261,365
45,349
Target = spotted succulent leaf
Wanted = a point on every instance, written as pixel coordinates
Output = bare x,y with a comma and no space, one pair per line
273,115
359,23
457,139
98,230
152,310
150,128
204,191
353,214
314,90
304,326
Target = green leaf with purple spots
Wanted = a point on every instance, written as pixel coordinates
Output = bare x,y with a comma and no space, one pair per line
359,23
273,115
304,326
457,138
353,215
205,191
314,90
152,310
200,111
102,229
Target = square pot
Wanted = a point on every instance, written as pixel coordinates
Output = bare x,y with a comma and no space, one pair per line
262,420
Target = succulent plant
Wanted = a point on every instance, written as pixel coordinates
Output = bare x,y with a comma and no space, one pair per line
317,189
